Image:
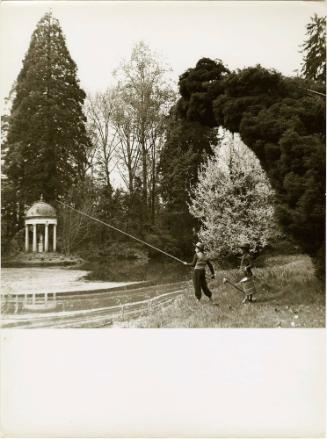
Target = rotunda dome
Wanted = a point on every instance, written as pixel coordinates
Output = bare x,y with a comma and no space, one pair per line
41,209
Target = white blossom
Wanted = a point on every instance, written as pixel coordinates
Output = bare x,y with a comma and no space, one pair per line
233,199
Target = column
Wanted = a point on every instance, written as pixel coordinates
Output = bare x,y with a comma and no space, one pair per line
34,237
46,238
16,304
54,237
26,237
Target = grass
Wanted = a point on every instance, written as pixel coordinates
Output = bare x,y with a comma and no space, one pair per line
289,296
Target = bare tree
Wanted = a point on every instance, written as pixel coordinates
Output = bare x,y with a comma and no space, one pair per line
128,152
103,134
74,229
146,97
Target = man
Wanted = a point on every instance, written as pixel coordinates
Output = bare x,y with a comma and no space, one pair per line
200,261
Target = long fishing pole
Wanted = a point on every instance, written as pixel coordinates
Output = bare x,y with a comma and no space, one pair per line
316,92
311,91
121,231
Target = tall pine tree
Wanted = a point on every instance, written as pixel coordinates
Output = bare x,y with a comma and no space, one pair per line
314,50
188,145
47,142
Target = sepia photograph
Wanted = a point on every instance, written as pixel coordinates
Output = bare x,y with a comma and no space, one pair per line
163,164
163,219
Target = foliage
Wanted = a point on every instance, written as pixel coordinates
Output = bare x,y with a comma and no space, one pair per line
9,218
233,200
284,124
314,50
189,140
187,146
198,87
47,142
74,229
287,135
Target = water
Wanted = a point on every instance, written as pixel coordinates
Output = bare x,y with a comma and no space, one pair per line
98,274
48,280
155,270
109,273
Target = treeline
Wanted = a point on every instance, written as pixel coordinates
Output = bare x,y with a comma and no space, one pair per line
131,155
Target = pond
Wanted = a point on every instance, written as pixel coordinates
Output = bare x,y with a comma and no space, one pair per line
95,275
49,279
155,270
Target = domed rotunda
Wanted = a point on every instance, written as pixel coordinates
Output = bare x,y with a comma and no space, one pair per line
41,220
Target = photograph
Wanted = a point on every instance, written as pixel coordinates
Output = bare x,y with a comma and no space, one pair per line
163,164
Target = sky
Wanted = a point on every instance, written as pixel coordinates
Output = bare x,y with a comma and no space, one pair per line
100,34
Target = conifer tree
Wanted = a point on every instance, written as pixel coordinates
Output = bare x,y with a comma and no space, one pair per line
47,142
188,145
314,50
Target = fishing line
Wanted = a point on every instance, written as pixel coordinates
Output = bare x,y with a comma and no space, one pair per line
121,231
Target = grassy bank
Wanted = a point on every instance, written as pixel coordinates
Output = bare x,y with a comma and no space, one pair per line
289,295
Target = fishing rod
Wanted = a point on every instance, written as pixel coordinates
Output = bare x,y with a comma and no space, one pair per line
316,92
311,91
121,231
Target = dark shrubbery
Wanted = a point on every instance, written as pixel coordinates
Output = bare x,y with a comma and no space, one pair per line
279,119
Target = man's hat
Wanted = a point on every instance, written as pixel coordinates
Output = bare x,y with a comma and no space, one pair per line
200,246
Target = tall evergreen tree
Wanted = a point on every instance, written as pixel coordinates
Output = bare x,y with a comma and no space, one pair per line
191,134
187,146
47,141
314,50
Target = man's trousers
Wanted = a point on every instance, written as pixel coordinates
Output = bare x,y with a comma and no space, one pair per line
200,283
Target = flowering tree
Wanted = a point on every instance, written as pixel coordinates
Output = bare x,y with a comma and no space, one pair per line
233,199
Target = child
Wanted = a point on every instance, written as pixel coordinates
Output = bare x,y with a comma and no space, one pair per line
199,263
246,268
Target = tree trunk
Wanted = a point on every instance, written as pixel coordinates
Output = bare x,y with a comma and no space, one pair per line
129,167
144,171
153,188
